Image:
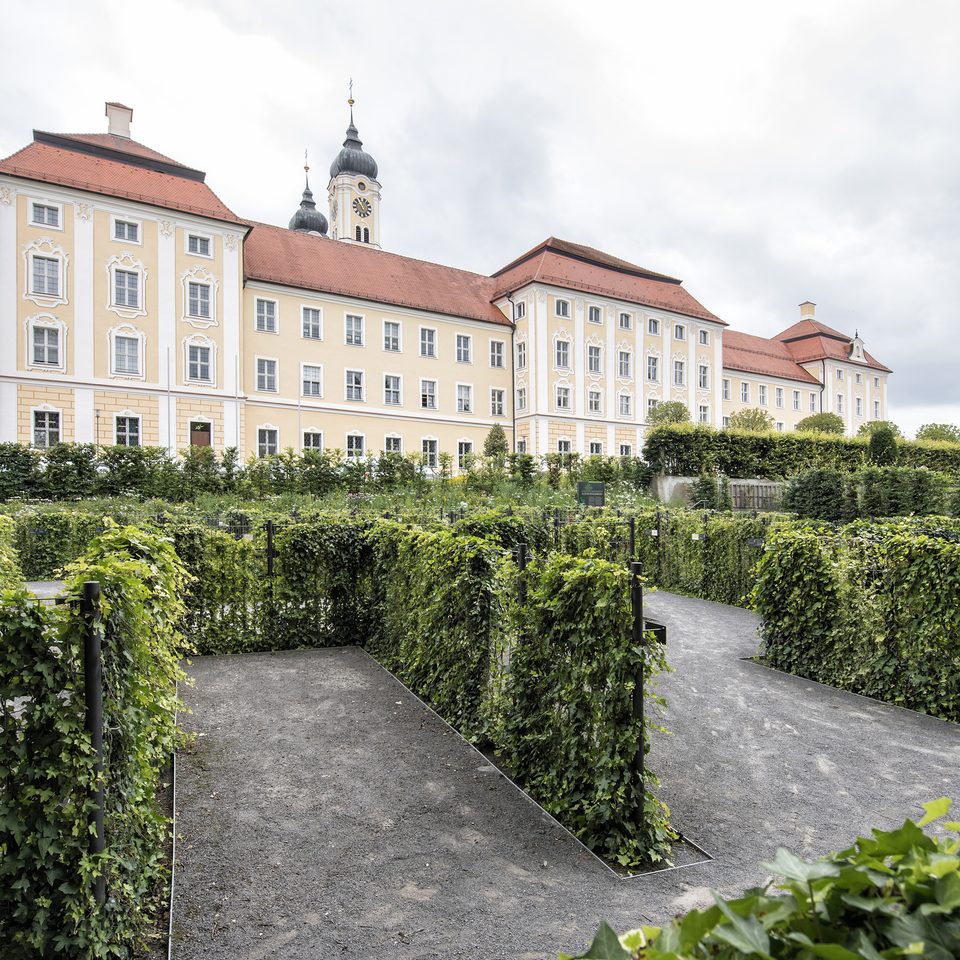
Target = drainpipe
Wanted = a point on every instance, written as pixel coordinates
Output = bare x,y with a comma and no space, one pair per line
513,372
823,381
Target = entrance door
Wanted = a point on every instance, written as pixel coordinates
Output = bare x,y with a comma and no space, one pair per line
199,433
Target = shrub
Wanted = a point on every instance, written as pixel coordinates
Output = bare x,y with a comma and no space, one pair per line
821,423
882,449
939,432
10,575
753,421
866,429
670,411
47,540
495,445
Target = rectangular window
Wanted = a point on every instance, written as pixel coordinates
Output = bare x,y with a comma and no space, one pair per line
705,338
626,450
839,374
354,330
312,323
521,398
267,441
520,309
391,335
266,316
198,363
744,392
391,389
796,399
126,230
46,276
859,377
354,445
778,396
594,360
46,428
623,363
496,403
128,431
876,409
563,354
653,326
198,300
726,422
312,440
393,445
46,346
679,332
594,399
463,348
521,355
594,315
625,404
464,450
354,383
859,406
876,382
762,394
726,389
563,398
840,403
496,353
653,369
652,404
813,403
428,394
679,373
266,375
596,448
428,447
563,446
312,380
126,288
703,376
199,246
703,415
626,321
464,398
126,355
428,342
522,445
45,215
778,426
562,308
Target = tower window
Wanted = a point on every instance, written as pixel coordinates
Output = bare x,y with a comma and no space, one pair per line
359,235
366,234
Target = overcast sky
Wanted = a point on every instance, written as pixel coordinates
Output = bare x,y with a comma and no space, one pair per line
765,152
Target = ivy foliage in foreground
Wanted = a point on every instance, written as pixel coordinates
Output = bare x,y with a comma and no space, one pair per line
10,573
894,894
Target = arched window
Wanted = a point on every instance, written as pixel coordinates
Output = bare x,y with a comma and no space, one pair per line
359,236
366,234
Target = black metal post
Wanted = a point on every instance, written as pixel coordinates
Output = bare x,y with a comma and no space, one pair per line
636,602
703,553
93,718
522,567
633,538
659,548
556,527
270,551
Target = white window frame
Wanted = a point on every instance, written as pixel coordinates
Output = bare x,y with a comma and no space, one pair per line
469,388
347,315
461,453
652,404
840,404
744,392
565,313
626,449
653,326
564,445
519,309
858,406
363,386
779,398
703,338
48,250
876,409
858,377
263,427
621,354
383,332
45,408
317,366
420,332
562,408
130,331
703,376
469,341
813,403
521,354
599,313
198,340
502,400
624,315
797,402
49,322
256,373
621,396
256,315
656,367
726,388
126,263
187,234
319,310
51,204
778,426
679,366
591,393
363,444
313,432
703,413
199,274
521,444
114,220
128,415
561,344
436,393
680,328
521,398
502,355
399,377
763,395
393,436
430,459
595,448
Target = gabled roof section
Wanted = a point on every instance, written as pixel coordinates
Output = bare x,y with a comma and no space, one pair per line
307,262
810,340
574,266
117,167
771,358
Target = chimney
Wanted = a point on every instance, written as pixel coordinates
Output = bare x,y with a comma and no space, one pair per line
118,120
807,309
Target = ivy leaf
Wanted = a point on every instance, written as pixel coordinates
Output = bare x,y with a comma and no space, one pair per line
829,951
935,810
744,933
788,865
606,946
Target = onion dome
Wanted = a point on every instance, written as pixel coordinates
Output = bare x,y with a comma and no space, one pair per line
308,218
352,159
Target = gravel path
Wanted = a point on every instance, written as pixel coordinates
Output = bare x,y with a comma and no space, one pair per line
325,812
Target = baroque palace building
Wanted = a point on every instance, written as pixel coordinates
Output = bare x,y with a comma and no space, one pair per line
139,309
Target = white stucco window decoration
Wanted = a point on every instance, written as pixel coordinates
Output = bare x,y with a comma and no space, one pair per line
46,343
46,267
127,351
126,286
200,360
200,288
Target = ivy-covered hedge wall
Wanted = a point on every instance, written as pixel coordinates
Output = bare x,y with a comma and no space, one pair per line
685,450
871,607
10,573
47,775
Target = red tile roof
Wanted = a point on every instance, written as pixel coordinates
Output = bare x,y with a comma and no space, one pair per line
68,167
302,260
577,267
771,358
809,340
109,141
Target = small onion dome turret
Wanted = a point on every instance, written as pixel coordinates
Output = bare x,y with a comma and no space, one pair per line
352,158
308,218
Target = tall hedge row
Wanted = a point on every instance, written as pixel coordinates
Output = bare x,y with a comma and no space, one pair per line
10,572
47,774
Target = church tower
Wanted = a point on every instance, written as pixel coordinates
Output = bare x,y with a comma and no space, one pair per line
354,191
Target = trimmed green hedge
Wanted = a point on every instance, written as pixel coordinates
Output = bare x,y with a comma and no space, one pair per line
893,895
10,573
685,450
47,775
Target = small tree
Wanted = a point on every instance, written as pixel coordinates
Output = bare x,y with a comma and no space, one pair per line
671,411
943,432
867,428
883,447
822,423
495,445
754,420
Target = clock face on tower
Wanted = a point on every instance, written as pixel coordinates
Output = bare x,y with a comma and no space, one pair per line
361,207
